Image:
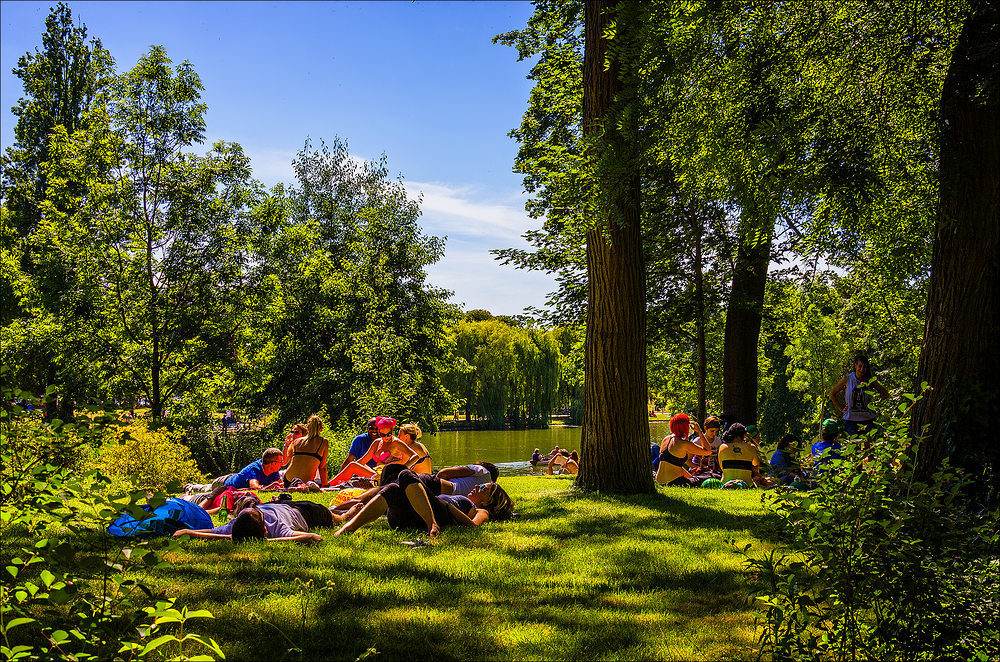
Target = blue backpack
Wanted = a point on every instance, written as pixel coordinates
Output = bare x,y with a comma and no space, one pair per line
172,516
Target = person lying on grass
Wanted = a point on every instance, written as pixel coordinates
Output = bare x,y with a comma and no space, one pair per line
260,475
275,522
464,478
407,505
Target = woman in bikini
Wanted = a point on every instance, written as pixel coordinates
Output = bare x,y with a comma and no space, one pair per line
308,454
674,451
409,435
386,449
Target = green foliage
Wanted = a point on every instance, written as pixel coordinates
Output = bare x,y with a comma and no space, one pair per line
144,458
70,589
512,376
882,566
351,324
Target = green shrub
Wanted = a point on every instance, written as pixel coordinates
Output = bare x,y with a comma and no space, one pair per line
70,590
881,566
145,458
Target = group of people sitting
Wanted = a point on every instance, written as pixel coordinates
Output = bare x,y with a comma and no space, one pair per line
732,459
558,461
395,470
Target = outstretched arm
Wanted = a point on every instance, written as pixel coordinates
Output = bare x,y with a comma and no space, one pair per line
200,533
480,517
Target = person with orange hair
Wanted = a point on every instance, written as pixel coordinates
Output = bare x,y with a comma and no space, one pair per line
674,451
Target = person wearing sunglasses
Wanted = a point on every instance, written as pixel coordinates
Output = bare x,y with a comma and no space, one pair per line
407,504
386,449
360,445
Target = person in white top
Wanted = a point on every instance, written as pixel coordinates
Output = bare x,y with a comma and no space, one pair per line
857,386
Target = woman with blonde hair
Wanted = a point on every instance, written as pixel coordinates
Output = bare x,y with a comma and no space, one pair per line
308,454
409,435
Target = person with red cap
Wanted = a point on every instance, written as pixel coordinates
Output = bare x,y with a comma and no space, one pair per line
674,451
387,449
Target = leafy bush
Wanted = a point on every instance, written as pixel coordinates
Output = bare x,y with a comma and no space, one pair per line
145,458
882,566
70,590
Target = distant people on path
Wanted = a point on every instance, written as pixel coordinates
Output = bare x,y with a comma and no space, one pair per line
360,445
260,475
674,451
737,458
859,418
308,455
407,505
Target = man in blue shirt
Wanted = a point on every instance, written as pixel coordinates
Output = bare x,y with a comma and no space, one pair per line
360,445
260,475
830,444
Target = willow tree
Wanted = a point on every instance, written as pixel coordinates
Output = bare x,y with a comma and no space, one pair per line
510,375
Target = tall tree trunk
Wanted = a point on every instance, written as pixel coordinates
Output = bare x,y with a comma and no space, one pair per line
743,316
699,293
615,444
960,358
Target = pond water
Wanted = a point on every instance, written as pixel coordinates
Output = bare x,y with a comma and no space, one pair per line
510,450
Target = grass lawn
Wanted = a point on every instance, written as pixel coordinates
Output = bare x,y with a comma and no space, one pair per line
573,577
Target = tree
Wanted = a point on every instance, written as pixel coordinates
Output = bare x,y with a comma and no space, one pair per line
960,358
61,82
615,436
161,233
351,325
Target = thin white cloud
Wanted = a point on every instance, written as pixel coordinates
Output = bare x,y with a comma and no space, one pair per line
271,166
456,210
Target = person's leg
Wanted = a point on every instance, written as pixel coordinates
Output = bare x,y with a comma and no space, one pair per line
371,512
350,471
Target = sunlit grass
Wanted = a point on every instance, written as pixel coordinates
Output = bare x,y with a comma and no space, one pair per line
574,576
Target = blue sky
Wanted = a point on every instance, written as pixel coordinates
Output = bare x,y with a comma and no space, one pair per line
419,81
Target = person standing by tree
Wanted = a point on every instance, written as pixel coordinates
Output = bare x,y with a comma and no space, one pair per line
858,416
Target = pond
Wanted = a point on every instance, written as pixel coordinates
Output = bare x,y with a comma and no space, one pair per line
510,450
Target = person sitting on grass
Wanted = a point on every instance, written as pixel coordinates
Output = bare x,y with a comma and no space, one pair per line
785,465
308,456
409,434
707,466
407,505
674,451
274,522
828,447
360,445
536,457
260,475
387,449
737,457
566,461
298,432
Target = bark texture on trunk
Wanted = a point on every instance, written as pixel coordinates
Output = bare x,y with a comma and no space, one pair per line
615,444
743,317
959,358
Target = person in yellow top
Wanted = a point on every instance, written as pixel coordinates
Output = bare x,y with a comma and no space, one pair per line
737,457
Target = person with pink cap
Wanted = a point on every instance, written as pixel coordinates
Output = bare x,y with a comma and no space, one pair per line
387,449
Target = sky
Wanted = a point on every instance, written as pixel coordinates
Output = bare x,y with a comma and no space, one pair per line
421,82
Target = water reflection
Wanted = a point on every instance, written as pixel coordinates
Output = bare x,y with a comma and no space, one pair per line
510,450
